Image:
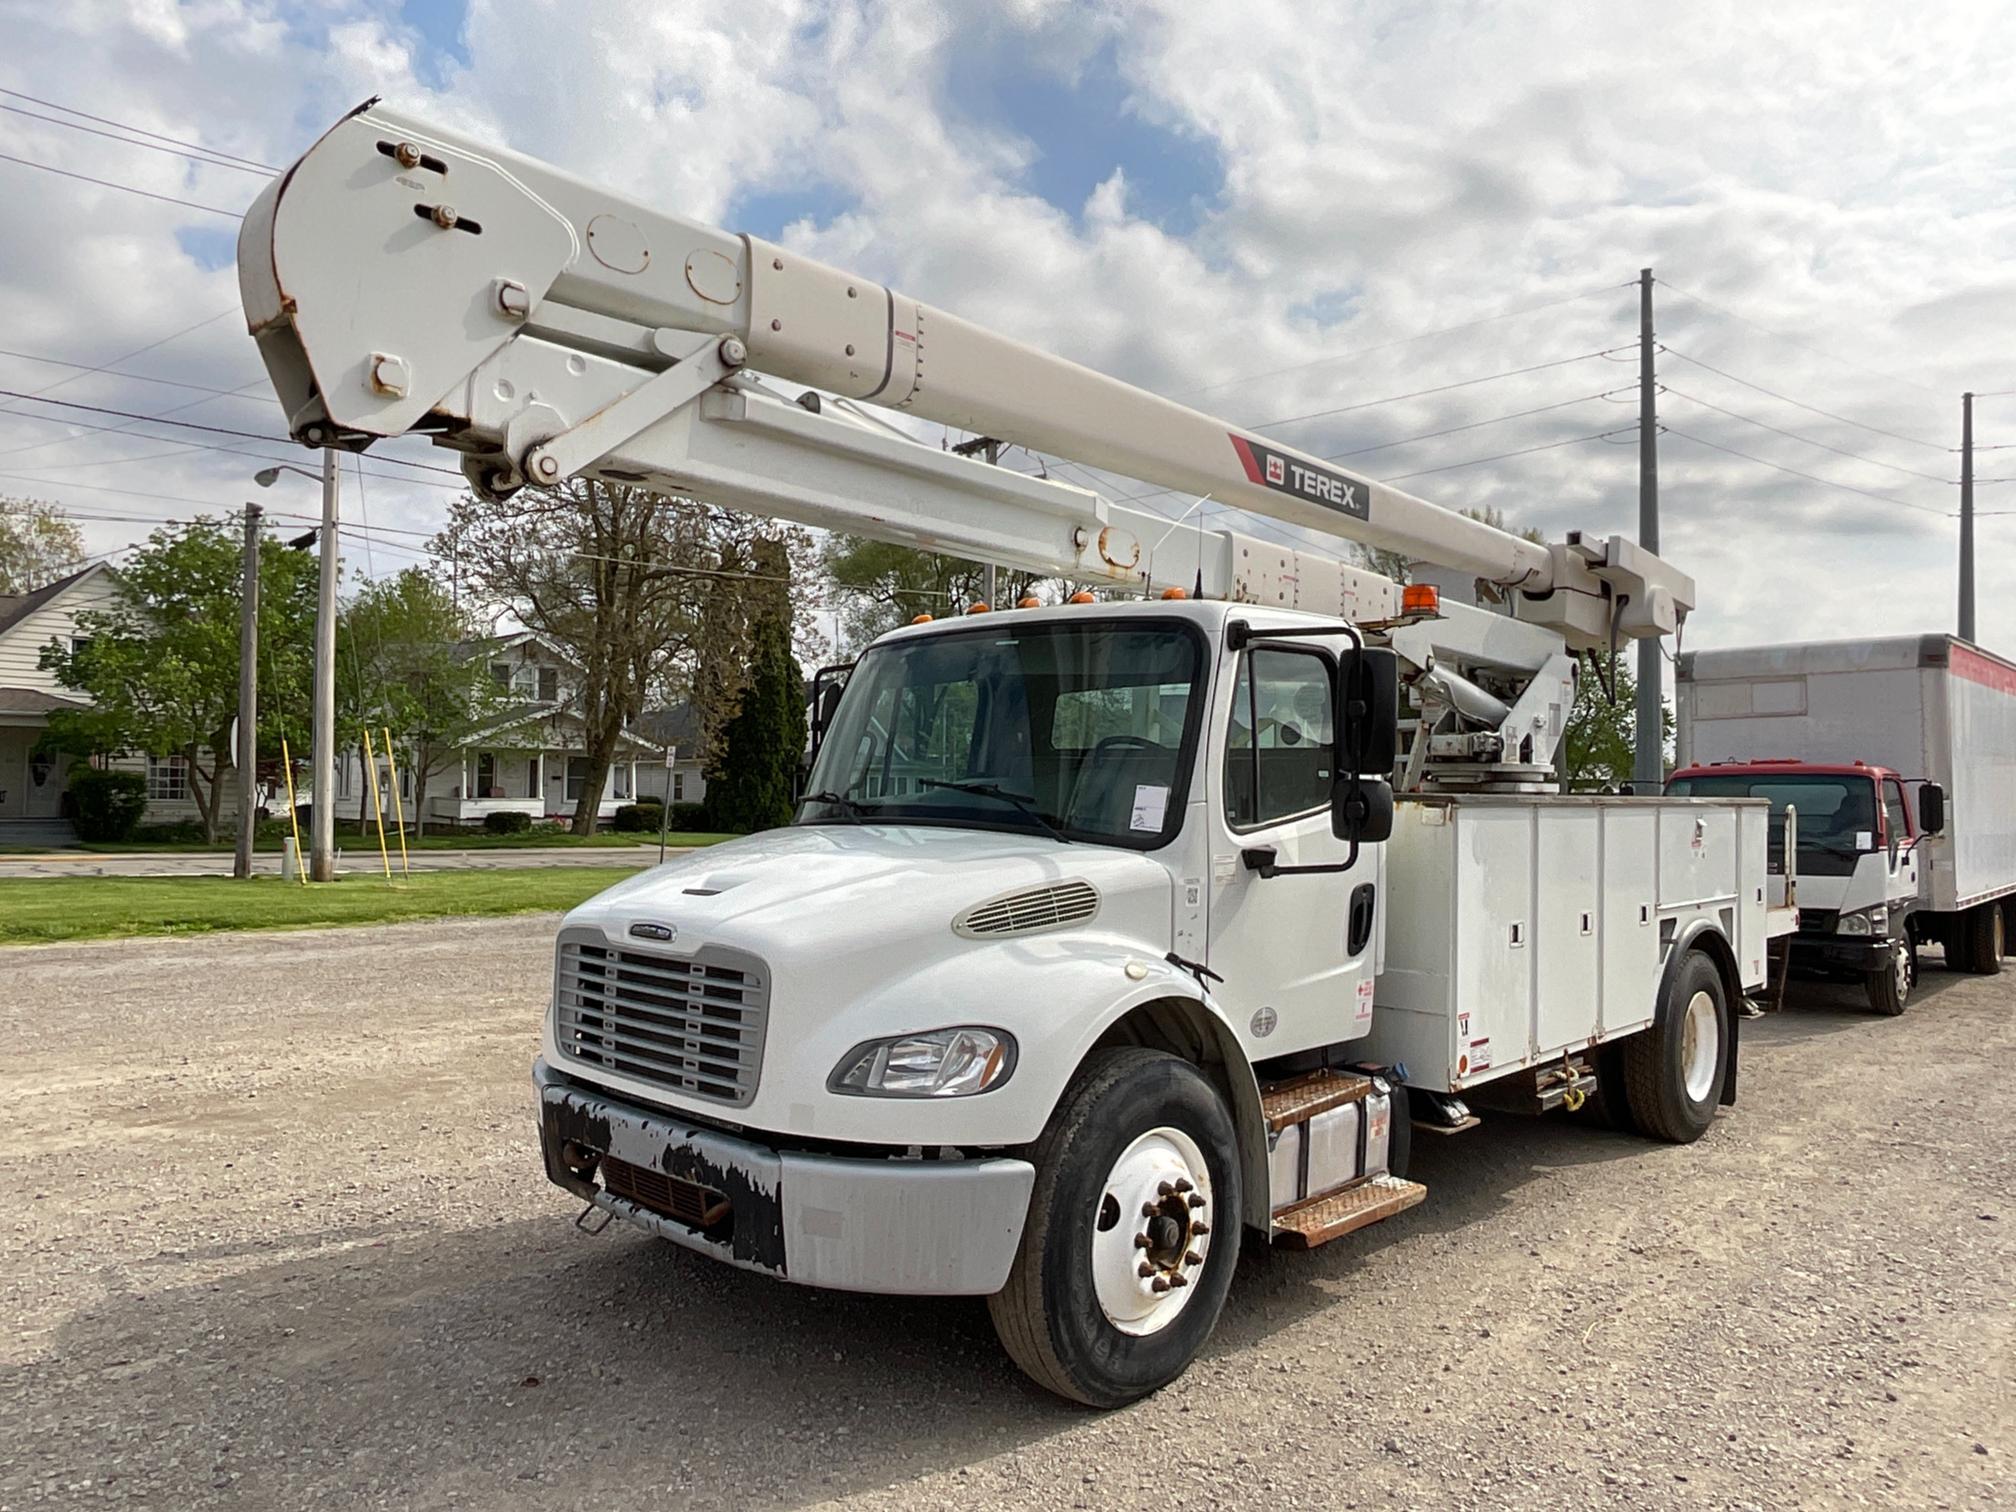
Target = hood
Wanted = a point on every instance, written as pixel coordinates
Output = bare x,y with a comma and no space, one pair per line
866,881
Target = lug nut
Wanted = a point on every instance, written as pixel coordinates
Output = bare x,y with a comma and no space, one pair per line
1163,1283
1200,1229
1165,1190
1145,1271
408,155
1182,1185
1141,1241
1196,1199
445,217
1178,1281
1191,1257
1149,1210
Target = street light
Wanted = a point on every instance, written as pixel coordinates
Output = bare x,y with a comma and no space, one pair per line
322,727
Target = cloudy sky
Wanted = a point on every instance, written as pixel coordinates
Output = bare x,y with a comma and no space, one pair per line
1268,208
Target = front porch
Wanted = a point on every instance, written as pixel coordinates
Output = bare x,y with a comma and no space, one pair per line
544,784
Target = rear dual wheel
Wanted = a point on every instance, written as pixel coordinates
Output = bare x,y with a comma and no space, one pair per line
1983,938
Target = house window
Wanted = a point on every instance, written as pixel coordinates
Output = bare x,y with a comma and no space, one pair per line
79,644
622,779
678,787
549,685
500,674
577,777
167,778
486,773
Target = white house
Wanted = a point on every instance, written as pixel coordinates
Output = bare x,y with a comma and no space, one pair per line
676,729
528,759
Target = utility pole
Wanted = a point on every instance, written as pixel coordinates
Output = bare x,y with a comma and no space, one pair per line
1967,517
247,755
1648,765
322,732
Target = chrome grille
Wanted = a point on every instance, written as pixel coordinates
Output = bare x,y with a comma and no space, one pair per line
1034,909
692,1024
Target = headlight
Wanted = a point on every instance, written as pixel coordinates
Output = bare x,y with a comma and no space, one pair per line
1854,924
936,1063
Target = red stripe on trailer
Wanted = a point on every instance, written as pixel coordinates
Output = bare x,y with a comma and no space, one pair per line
1989,671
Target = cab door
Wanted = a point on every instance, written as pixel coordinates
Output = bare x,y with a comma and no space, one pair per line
1901,849
1297,952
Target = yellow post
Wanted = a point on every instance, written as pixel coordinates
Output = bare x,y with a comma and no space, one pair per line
398,806
377,811
300,861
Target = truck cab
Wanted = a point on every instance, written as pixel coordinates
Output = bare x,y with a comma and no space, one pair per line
1858,862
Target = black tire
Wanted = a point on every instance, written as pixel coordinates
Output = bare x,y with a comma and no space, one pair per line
1890,989
1656,1061
1049,1317
1986,936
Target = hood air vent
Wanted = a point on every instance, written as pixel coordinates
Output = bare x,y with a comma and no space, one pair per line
1029,912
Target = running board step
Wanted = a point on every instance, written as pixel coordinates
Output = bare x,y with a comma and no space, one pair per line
1321,1219
1293,1102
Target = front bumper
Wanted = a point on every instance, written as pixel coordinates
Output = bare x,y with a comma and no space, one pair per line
1867,953
918,1227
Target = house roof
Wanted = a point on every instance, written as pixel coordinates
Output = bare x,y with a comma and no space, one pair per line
490,645
517,716
33,701
677,725
16,607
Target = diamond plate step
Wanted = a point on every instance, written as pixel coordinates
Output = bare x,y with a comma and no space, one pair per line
1290,1102
1321,1219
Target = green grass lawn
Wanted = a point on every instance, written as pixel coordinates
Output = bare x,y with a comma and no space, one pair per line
35,910
351,843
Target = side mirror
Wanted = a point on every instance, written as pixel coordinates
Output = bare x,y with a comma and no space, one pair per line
1368,712
1931,808
1361,809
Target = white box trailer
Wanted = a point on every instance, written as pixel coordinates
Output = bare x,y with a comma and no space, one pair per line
1932,709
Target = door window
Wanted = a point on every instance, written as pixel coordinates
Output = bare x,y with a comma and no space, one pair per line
577,778
1282,739
1894,813
486,774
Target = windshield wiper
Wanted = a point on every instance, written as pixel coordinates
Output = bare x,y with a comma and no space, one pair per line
1021,801
854,812
1831,849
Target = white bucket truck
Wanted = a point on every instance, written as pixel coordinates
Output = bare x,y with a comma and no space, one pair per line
1108,933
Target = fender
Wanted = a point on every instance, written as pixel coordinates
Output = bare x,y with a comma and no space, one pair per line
1690,937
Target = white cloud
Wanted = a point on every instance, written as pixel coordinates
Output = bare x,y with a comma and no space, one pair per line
1841,175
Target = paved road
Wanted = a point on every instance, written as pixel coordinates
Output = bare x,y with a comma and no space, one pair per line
278,1237
355,859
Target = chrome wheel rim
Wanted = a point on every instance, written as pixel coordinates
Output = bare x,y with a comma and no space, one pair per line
1151,1231
1700,1046
1902,968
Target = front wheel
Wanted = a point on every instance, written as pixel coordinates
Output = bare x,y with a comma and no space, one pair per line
1133,1231
1890,987
1674,1072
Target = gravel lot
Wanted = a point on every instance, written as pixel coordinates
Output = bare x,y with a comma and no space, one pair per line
278,1236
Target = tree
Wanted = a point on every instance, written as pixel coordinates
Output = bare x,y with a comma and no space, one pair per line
884,585
623,580
37,545
753,768
402,666
1602,733
160,666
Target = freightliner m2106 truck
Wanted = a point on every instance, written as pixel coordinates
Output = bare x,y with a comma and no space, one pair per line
1107,933
1899,755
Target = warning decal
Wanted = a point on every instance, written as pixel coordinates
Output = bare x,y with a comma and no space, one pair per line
1304,480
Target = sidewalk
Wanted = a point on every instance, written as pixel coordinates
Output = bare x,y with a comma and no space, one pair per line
353,861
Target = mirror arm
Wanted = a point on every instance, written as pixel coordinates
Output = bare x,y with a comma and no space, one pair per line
1260,858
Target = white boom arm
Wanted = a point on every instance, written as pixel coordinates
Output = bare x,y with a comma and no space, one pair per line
403,278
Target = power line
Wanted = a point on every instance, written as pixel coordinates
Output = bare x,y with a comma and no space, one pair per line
1472,425
1501,456
1441,388
183,450
1809,477
139,130
166,199
1800,404
1795,340
113,136
215,430
1809,440
115,372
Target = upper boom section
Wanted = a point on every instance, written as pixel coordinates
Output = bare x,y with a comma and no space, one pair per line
401,277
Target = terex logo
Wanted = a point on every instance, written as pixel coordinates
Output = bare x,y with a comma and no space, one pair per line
1305,480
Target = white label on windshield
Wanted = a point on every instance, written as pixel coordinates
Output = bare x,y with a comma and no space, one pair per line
1150,803
1864,839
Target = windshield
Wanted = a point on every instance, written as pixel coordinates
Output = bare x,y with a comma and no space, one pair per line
1080,729
1837,813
